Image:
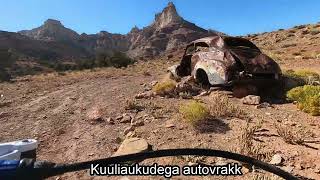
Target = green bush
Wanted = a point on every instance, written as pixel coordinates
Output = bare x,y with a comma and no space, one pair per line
194,112
307,97
117,59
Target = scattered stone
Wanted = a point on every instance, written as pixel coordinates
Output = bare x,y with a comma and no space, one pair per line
124,178
170,125
263,105
317,169
91,154
72,98
119,117
192,164
126,118
131,134
185,95
133,145
145,95
109,120
186,85
268,114
128,129
3,114
153,83
245,170
251,100
276,159
137,123
289,169
95,114
205,93
221,161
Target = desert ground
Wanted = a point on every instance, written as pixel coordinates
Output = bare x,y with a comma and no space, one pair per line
55,109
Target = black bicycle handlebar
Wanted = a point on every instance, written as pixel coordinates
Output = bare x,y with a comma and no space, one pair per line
42,170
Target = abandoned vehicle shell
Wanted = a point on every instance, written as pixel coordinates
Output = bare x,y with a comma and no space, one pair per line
220,60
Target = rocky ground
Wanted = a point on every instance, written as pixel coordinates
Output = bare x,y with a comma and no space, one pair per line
86,115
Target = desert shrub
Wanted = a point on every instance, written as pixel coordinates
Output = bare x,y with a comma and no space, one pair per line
221,106
119,59
307,97
290,136
166,87
194,112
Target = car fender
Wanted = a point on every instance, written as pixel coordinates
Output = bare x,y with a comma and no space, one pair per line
216,71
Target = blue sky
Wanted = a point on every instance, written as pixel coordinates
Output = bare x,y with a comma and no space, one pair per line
234,17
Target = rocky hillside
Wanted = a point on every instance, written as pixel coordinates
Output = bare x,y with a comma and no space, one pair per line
291,47
168,31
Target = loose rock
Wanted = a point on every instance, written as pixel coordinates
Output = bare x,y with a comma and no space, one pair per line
133,145
145,95
251,100
94,114
137,123
263,105
126,118
110,120
128,129
276,159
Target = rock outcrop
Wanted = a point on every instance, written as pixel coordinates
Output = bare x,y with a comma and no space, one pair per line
52,30
168,32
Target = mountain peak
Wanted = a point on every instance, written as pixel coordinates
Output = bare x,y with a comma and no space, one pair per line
52,22
169,15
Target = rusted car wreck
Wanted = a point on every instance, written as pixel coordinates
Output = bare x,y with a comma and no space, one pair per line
224,61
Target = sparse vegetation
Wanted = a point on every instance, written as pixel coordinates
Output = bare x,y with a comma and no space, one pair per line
194,112
300,78
247,145
117,59
221,106
289,136
307,97
165,87
133,105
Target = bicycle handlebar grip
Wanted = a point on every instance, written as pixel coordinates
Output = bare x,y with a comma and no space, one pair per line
8,168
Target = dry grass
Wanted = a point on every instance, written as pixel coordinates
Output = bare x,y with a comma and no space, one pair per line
165,87
249,147
194,112
221,106
290,136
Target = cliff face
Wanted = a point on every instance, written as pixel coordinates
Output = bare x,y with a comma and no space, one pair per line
168,31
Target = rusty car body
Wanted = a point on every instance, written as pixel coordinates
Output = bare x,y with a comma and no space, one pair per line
225,60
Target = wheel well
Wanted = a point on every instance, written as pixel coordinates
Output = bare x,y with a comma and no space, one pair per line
202,77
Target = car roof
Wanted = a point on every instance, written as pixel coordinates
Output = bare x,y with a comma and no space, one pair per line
220,41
